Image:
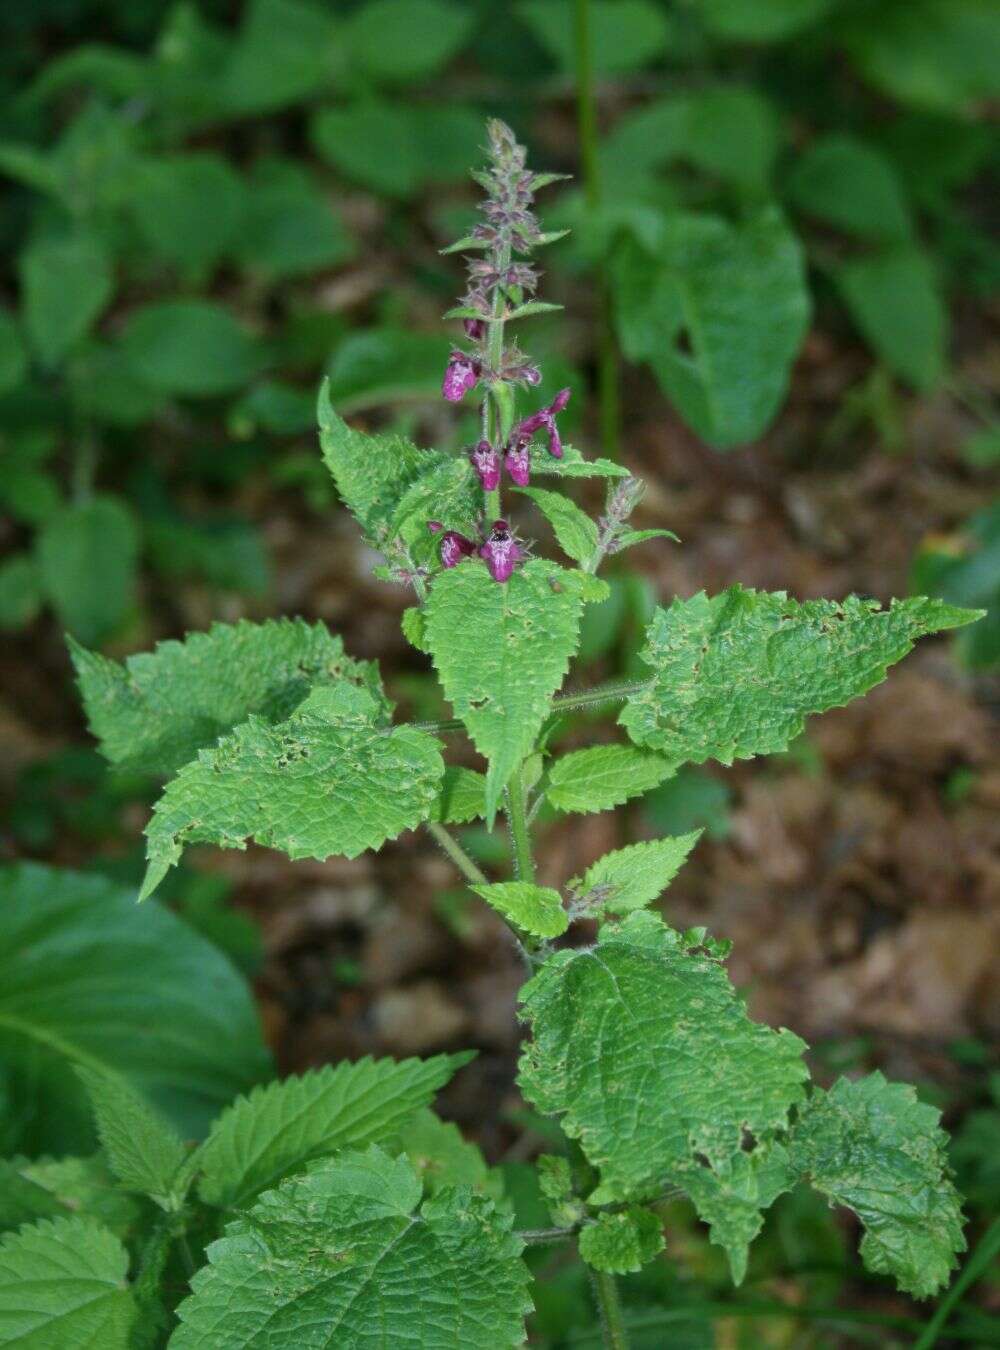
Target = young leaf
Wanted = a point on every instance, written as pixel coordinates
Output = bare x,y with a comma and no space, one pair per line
328,780
787,660
632,877
622,1243
632,537
86,977
350,1248
278,1129
536,909
86,563
604,776
873,1146
463,797
573,465
144,1151
576,532
66,284
155,712
62,1283
502,652
647,1054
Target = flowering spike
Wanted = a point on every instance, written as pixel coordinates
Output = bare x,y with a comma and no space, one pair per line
461,374
486,463
501,551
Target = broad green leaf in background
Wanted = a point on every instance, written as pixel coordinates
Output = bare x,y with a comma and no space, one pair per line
278,1129
291,228
370,369
873,1146
13,357
439,1273
20,591
286,50
155,712
741,312
573,528
615,1030
144,1151
87,977
191,348
23,1200
536,909
940,54
788,658
623,1242
965,570
86,557
895,299
604,776
502,651
329,780
463,796
85,1187
634,876
848,184
397,41
624,34
442,1157
107,389
62,1283
396,148
761,20
189,208
66,283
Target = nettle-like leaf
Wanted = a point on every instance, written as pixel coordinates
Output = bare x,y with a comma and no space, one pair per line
644,1050
535,909
329,780
144,1151
281,1127
604,776
622,1243
87,1188
873,1146
155,712
443,1157
462,797
572,464
732,1198
62,1283
501,653
573,528
632,877
785,658
352,1251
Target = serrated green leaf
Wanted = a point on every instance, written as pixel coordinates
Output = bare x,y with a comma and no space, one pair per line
351,1249
632,537
279,1128
144,1151
86,977
23,1200
86,562
412,623
788,659
573,465
442,1157
533,307
574,529
62,1283
604,776
873,1146
326,781
622,1243
631,877
66,284
732,1198
446,490
155,712
87,1188
501,652
462,798
646,1054
535,909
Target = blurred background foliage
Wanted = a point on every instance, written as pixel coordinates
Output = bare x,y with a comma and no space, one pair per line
783,237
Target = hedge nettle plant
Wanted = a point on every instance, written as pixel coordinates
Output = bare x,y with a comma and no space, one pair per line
334,1209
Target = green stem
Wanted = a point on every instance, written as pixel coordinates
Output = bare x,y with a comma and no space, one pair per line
520,834
494,359
456,853
614,692
586,117
976,1266
609,1307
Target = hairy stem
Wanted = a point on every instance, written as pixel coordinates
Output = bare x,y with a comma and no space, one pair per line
449,845
609,1307
546,1237
586,118
494,360
520,834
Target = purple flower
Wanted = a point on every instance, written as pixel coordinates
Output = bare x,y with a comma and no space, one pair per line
474,329
545,417
461,374
486,463
455,547
517,462
501,551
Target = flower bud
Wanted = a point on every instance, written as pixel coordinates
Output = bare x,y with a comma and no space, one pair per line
455,547
461,374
